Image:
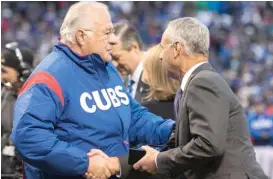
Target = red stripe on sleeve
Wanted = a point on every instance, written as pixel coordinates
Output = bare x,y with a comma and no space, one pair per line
48,80
125,142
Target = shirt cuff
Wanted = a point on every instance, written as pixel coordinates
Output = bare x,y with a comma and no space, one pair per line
119,175
156,160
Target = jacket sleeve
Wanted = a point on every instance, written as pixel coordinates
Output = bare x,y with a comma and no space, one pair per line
208,110
148,128
36,114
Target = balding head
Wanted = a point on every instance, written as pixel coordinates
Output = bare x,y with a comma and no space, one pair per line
80,15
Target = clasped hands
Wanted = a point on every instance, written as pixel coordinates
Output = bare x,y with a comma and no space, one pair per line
101,166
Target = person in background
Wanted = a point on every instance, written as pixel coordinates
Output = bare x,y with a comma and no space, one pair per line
159,98
16,65
128,55
260,122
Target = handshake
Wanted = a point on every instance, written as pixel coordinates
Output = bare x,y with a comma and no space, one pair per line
101,166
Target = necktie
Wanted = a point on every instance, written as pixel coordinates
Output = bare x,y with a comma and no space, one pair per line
177,98
130,86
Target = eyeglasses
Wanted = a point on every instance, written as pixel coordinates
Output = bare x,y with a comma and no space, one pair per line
108,33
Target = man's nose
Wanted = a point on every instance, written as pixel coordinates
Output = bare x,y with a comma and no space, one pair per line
113,40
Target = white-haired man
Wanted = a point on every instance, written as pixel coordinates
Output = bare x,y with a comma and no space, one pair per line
75,101
212,137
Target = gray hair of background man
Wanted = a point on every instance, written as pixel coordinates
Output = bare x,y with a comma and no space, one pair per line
127,34
191,33
78,16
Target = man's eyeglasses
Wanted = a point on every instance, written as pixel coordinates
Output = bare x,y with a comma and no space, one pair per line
108,33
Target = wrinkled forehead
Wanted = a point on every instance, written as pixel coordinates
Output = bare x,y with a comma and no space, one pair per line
102,20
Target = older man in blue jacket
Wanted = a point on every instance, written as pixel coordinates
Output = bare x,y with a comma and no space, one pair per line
75,101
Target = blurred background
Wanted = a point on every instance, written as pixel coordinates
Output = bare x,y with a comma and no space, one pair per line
241,50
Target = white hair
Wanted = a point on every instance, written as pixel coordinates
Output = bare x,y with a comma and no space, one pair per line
77,17
191,33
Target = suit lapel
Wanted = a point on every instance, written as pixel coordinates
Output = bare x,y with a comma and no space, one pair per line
205,66
139,85
141,90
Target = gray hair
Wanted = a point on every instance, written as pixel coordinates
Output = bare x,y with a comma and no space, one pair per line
77,17
128,34
191,33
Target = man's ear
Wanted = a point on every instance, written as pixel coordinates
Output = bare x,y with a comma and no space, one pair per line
79,37
178,49
134,47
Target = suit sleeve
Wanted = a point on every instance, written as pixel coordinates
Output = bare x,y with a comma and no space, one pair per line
36,113
208,112
146,127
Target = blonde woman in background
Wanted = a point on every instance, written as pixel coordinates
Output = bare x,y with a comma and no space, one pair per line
160,96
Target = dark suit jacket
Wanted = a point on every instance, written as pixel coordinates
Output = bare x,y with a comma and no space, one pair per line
163,108
212,136
141,90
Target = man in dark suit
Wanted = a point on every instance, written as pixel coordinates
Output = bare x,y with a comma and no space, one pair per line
212,136
128,55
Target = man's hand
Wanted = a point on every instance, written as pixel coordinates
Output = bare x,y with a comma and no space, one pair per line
147,163
9,74
99,168
112,164
113,160
115,163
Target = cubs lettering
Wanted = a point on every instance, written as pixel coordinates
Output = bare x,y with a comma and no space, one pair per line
115,97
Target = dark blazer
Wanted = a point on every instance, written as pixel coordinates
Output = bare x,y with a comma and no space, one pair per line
212,136
163,108
141,90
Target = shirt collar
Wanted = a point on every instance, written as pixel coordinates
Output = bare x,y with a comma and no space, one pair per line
137,73
188,74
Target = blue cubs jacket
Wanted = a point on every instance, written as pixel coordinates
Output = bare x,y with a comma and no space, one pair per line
71,104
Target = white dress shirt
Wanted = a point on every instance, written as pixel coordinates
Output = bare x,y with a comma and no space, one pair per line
188,74
136,77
